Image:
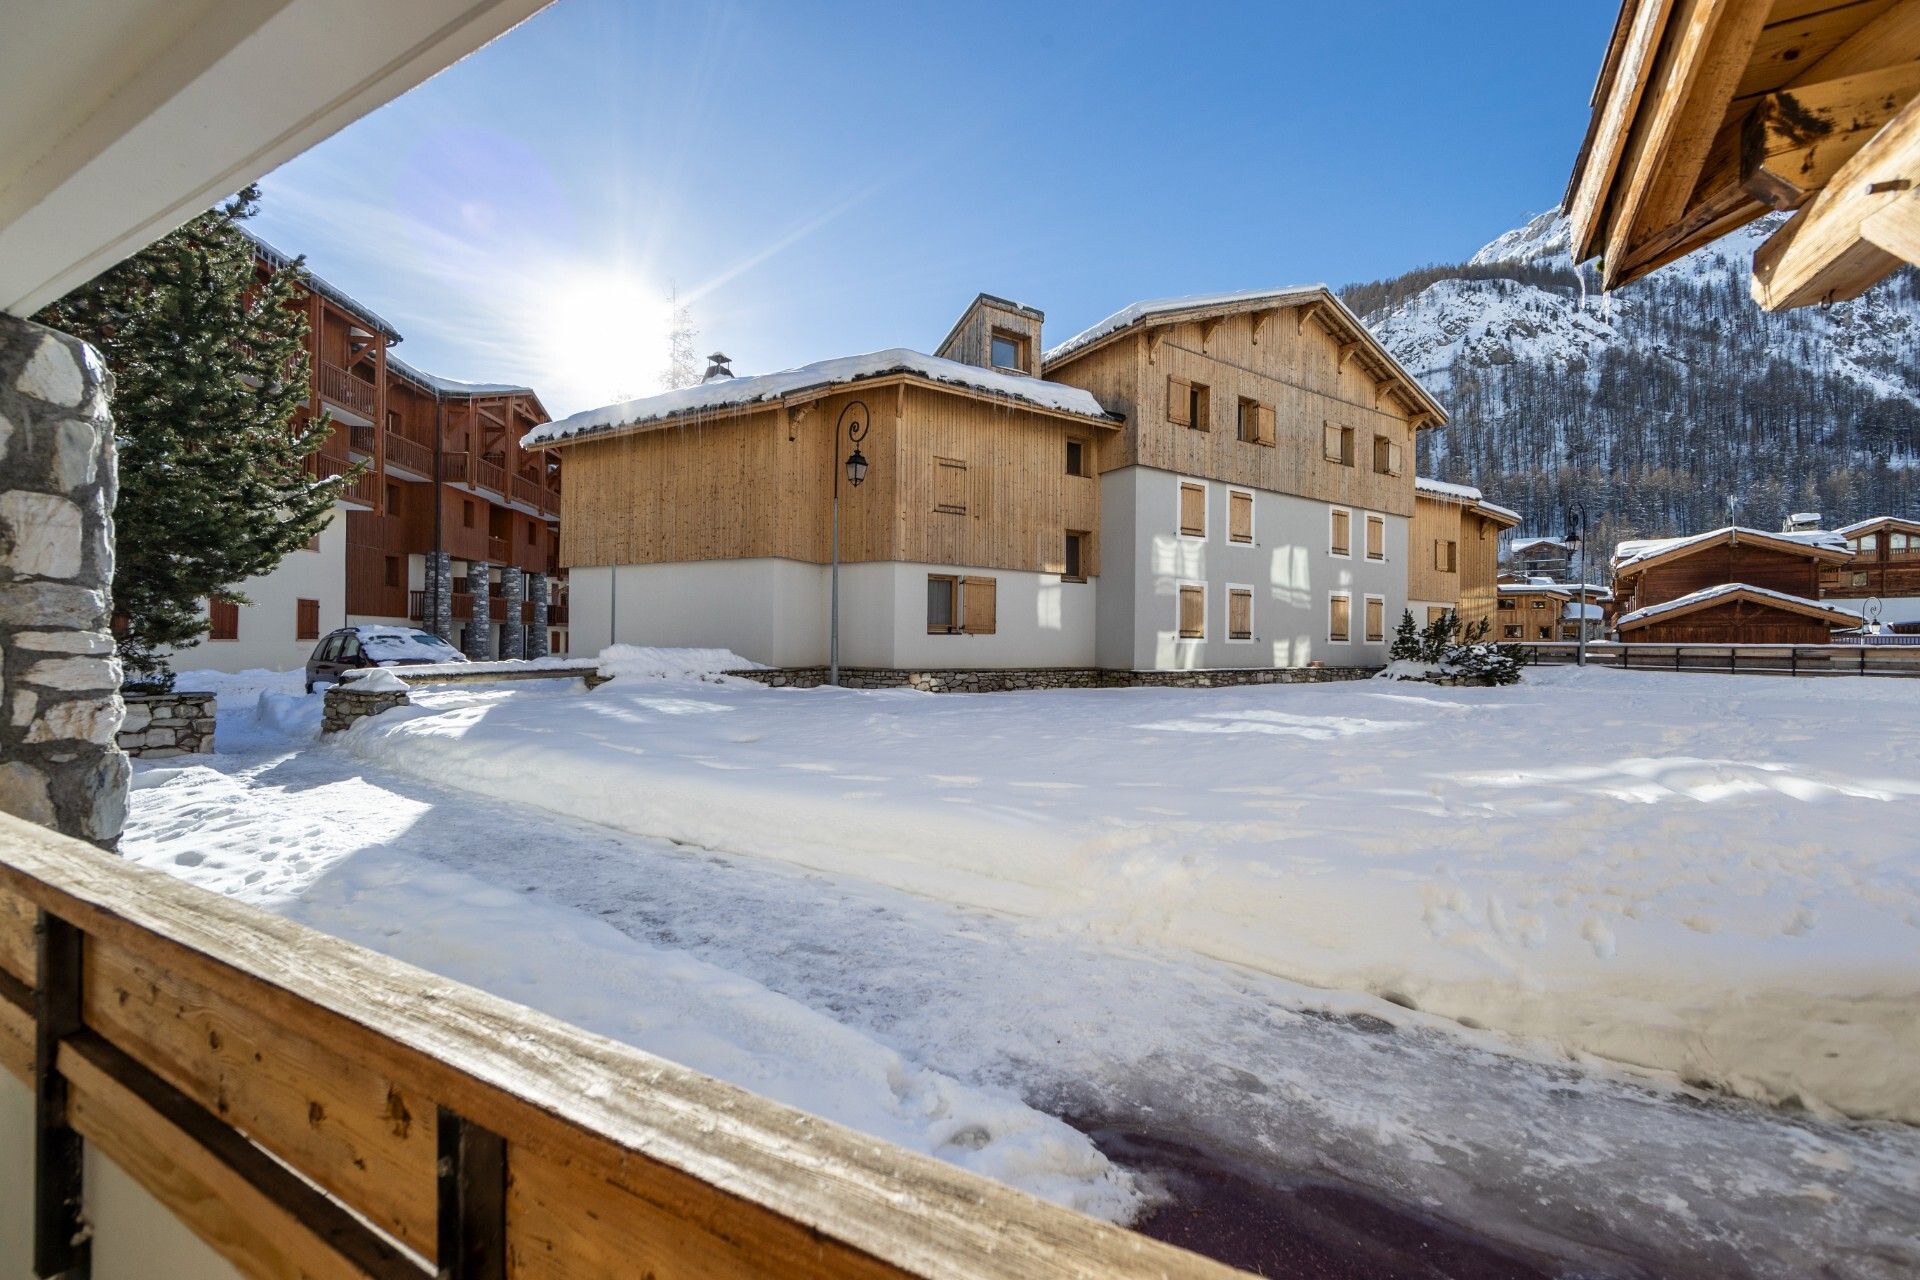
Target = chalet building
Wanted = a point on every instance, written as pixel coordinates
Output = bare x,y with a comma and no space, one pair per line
1454,559
1883,565
1529,610
1539,557
1214,482
398,533
1666,586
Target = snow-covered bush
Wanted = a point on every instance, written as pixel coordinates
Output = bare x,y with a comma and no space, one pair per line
1443,652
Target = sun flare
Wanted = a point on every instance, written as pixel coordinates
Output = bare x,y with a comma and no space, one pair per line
606,336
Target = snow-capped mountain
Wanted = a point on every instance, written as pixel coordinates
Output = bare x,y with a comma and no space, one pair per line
1658,406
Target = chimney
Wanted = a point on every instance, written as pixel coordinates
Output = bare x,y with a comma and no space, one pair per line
1802,522
718,366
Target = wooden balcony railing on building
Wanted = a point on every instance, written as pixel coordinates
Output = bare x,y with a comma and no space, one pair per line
348,390
497,551
410,454
556,615
490,475
453,467
528,491
325,466
307,1106
363,439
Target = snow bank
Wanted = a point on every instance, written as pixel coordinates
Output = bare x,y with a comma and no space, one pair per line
645,660
1699,882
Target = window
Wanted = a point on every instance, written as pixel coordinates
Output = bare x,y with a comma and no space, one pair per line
1539,604
1435,612
1376,619
466,512
1867,544
950,486
1239,614
1508,604
1009,351
960,606
1340,617
1376,537
1255,422
1340,533
1860,579
556,641
1076,457
224,615
1193,509
943,594
1338,445
306,619
349,647
1511,633
1239,516
1193,611
1445,555
393,571
1386,456
1546,633
1076,559
1189,404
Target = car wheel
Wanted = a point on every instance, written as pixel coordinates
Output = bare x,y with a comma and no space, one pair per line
309,687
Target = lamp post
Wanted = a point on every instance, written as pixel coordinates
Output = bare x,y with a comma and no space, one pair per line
1576,541
856,472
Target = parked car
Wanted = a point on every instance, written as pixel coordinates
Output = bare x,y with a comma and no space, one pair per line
351,648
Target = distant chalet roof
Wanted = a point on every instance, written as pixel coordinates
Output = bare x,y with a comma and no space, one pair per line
1528,544
1874,523
1466,495
280,261
1728,591
1196,306
1534,589
812,380
449,387
1817,544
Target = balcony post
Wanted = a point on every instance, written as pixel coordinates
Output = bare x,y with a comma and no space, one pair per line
537,646
479,638
513,633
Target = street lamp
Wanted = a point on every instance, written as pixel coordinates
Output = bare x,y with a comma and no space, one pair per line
1577,542
856,424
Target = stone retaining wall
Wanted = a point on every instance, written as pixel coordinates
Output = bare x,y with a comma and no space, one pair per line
167,724
344,704
1005,681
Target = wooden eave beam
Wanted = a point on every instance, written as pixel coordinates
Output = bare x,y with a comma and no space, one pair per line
1623,79
1260,318
1347,349
1208,328
1794,142
1824,254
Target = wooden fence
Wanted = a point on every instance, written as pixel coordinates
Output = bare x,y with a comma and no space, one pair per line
311,1108
1739,659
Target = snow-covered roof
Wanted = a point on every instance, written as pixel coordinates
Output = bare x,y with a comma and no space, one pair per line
280,260
1533,589
1528,544
1820,543
1573,609
1495,509
447,386
1710,595
731,393
1134,312
1443,489
1872,523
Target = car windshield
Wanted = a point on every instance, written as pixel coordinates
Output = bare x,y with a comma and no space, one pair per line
416,646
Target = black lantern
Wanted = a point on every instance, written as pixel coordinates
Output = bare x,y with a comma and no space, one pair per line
856,467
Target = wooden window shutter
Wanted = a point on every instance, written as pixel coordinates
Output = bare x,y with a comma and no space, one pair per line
1239,516
1179,402
1265,423
1376,621
224,615
1342,533
1440,554
1193,511
1240,615
1453,562
1393,458
950,486
1330,443
1193,613
307,620
977,599
1340,621
1376,538
1380,447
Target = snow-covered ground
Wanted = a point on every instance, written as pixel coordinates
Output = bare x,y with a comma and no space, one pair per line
949,919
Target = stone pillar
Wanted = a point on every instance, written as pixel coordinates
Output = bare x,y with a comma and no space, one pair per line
537,629
513,633
479,645
59,680
439,610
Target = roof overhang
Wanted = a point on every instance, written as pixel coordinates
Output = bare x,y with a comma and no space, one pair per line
121,119
1878,524
803,399
1710,113
1738,593
1317,304
1734,537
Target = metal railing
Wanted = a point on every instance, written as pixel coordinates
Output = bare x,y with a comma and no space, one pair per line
348,390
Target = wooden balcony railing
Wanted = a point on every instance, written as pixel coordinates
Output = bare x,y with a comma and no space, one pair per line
497,551
556,615
411,454
362,439
528,491
348,390
490,475
307,1106
325,466
454,467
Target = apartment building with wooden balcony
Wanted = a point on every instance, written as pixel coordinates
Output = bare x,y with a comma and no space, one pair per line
1884,565
450,525
1455,552
1222,483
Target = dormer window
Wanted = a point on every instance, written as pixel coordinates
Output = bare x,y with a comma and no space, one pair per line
1009,352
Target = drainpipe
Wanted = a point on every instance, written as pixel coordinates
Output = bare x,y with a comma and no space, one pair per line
440,574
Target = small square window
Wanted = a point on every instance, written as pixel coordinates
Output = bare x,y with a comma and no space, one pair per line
1009,352
1076,559
941,593
1076,458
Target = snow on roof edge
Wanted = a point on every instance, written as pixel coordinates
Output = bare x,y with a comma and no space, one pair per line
1705,594
1860,526
839,371
1637,550
1446,489
281,259
453,387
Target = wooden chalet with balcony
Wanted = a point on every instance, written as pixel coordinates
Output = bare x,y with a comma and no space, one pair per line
1884,566
1454,557
1529,611
1778,573
446,500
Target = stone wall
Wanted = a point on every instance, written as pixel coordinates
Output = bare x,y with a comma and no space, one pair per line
59,680
167,724
1005,681
345,704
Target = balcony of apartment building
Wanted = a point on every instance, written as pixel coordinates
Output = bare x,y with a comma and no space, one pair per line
332,459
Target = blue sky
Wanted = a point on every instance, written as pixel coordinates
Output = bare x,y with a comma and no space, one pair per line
823,179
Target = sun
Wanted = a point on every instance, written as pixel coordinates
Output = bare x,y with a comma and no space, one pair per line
605,337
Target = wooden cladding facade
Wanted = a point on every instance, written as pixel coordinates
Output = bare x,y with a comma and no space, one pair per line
1885,563
952,480
1286,361
1796,573
1736,622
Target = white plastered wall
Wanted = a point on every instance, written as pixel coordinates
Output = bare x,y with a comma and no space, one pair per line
269,625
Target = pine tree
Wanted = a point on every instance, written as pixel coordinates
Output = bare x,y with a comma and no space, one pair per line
210,368
683,366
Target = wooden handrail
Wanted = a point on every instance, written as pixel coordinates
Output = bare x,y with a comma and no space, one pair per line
348,390
212,1030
